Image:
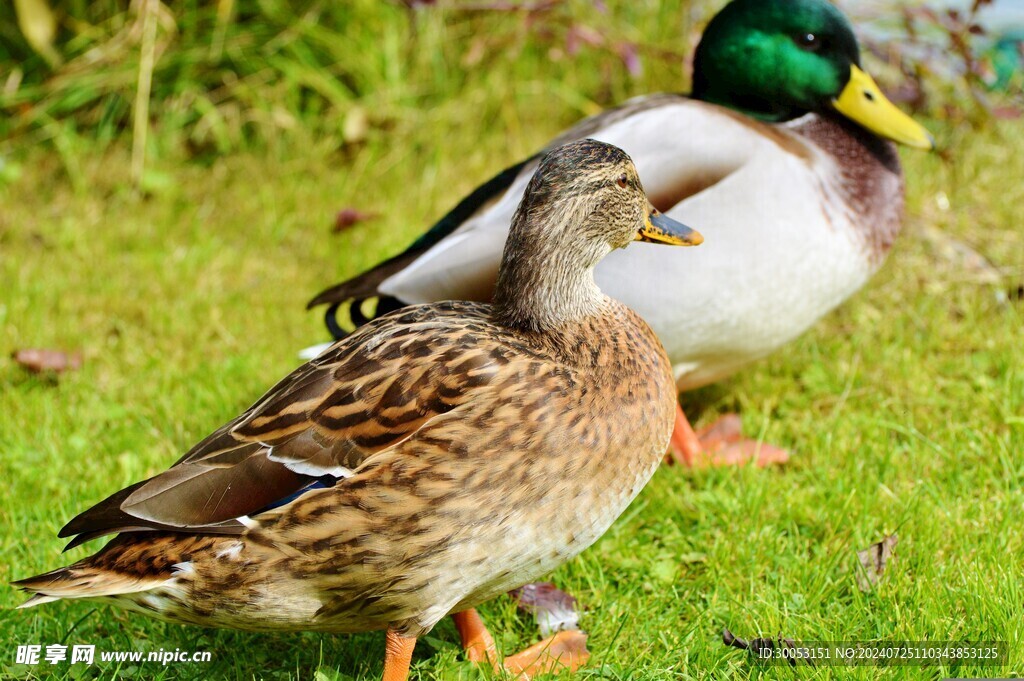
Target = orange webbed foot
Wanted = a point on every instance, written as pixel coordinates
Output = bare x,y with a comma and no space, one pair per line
566,649
720,444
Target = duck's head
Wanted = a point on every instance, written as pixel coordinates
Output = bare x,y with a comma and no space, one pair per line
587,196
778,59
584,201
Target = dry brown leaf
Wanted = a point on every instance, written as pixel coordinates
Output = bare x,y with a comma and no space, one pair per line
41,360
348,217
553,609
874,560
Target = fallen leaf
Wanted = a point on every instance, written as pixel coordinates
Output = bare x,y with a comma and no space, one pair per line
874,560
553,609
39,360
347,217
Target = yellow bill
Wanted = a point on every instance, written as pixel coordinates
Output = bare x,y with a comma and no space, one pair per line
661,229
863,102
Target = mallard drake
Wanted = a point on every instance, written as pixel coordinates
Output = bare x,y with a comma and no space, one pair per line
436,458
779,153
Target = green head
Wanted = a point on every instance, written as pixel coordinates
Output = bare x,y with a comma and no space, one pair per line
779,59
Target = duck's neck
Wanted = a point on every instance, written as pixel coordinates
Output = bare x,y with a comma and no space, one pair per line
761,108
868,177
546,280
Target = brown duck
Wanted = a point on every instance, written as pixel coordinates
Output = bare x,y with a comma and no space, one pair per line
435,459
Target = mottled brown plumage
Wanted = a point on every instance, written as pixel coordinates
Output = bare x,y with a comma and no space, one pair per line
436,458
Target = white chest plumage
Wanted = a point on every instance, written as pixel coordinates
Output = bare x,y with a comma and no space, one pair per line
783,246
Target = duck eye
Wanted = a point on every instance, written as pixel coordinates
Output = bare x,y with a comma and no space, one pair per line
622,181
808,41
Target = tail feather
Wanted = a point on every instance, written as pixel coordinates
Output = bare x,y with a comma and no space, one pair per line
38,599
81,581
366,286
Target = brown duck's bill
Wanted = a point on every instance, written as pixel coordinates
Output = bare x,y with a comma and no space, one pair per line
661,229
863,102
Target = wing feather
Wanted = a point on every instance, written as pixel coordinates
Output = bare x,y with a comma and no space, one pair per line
371,392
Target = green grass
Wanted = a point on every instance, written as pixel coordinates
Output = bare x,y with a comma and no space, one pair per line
904,409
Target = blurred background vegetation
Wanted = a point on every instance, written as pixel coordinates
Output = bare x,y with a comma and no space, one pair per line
193,79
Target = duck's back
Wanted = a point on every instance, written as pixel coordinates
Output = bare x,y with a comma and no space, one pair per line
796,216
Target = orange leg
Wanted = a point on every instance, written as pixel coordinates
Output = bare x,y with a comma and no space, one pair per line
397,656
564,649
476,640
684,447
720,444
